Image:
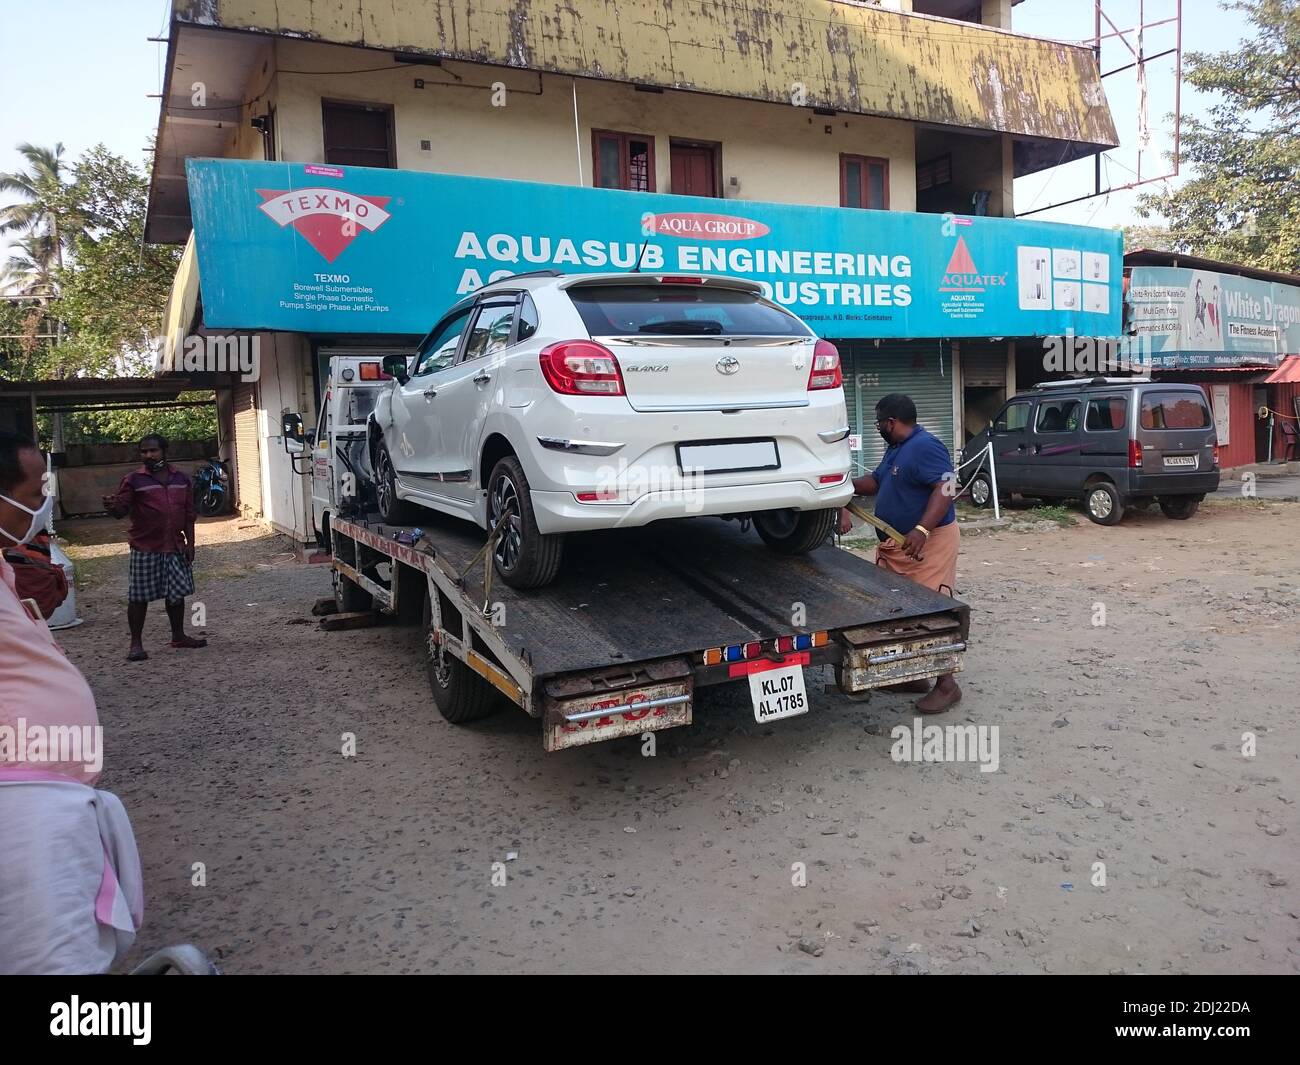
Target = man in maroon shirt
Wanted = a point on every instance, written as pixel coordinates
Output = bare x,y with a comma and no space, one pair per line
160,502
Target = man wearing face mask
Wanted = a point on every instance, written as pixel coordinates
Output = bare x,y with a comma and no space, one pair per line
914,488
160,502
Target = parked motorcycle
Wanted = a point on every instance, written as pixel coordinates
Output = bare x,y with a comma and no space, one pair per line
211,488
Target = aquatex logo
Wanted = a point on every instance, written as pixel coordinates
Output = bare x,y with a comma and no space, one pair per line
706,226
962,274
328,219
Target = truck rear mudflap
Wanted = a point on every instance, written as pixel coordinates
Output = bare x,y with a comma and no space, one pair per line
621,701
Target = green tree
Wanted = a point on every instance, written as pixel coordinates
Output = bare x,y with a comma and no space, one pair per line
112,295
41,210
1242,202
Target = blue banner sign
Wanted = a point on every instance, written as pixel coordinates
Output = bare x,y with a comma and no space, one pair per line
325,249
1194,318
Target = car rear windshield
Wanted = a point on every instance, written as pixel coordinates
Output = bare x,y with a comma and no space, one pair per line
1174,410
680,310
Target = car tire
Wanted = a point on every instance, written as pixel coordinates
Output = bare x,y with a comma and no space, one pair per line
525,557
392,510
350,597
1179,508
791,532
981,490
1103,503
459,693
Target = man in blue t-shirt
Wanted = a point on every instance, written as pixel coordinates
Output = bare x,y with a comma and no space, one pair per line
914,486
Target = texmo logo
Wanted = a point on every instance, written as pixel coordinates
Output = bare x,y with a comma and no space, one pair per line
962,275
710,226
328,219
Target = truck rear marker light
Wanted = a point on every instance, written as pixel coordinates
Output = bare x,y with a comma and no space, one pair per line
371,371
741,652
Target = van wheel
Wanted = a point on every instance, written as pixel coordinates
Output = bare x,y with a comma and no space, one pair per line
460,694
394,511
795,532
1102,503
524,557
981,490
1180,507
350,597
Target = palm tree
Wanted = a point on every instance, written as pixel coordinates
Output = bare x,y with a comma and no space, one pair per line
39,210
29,271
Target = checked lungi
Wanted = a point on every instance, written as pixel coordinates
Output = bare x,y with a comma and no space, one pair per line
153,575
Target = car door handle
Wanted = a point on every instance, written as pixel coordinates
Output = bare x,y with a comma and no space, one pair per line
429,393
1038,448
481,377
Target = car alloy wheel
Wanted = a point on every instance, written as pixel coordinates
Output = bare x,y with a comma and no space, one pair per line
385,490
979,492
1099,503
504,497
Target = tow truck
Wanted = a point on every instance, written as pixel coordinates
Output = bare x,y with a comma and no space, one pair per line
637,621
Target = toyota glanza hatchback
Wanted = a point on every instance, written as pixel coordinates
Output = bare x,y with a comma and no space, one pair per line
565,403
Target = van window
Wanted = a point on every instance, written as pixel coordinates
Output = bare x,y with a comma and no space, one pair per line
1105,413
1058,416
1174,410
1012,419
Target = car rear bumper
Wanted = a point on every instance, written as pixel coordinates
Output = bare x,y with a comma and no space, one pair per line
1201,482
559,512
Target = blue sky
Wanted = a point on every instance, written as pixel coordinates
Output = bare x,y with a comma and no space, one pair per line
99,89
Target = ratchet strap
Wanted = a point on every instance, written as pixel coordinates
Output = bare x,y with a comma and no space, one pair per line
860,512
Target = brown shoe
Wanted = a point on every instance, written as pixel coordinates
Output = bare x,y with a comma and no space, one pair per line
909,686
939,700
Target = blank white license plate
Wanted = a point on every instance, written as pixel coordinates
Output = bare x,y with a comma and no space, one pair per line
1180,460
724,458
778,693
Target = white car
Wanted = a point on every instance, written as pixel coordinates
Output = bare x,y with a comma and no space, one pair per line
600,401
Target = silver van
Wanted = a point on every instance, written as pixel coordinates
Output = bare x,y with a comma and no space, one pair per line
1113,442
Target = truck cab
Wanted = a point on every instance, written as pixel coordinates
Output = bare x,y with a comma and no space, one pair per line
341,479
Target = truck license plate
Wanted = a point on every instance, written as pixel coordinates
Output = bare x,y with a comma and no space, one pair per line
778,692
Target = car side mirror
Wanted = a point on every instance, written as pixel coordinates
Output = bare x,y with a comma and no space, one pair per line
291,431
395,366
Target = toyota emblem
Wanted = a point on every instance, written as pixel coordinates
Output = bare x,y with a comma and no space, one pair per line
728,365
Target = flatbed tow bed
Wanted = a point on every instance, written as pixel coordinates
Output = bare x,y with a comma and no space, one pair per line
640,618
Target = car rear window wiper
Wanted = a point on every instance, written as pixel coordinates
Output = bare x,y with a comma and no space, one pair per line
684,327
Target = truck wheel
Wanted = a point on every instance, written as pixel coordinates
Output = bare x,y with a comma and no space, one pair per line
350,597
1103,504
795,532
460,694
1180,507
525,558
394,511
981,490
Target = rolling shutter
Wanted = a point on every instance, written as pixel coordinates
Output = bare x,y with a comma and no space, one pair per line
921,369
248,461
984,364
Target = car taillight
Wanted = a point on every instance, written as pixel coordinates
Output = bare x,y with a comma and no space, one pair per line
825,368
674,279
581,368
1216,454
1134,455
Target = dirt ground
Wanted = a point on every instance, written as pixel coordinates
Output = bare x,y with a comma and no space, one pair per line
1119,744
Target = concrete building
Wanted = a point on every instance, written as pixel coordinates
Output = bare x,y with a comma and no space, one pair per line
916,106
